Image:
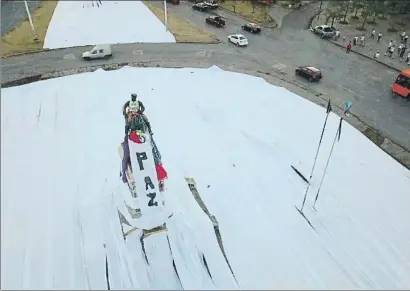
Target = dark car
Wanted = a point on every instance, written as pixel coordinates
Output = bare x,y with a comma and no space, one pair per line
308,72
251,27
215,21
175,2
200,6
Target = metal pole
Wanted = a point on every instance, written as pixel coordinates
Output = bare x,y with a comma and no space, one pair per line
327,164
166,15
320,7
30,20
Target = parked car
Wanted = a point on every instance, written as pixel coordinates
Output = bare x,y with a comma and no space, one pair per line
308,72
212,4
101,51
238,39
325,31
200,6
251,27
215,21
175,2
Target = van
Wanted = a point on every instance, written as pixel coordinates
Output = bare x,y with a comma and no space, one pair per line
401,86
98,52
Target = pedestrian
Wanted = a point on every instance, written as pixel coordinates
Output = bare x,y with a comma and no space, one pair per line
362,40
379,36
377,54
390,44
391,52
373,33
337,34
402,35
355,40
408,59
405,39
349,47
403,50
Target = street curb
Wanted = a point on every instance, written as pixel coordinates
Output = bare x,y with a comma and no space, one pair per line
370,58
247,19
393,149
359,53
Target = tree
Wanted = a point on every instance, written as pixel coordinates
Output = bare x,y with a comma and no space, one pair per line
345,7
365,13
333,11
375,8
356,6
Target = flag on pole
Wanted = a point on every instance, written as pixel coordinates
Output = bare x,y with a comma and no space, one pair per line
348,106
329,107
339,130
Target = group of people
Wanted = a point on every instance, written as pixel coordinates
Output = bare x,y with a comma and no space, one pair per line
131,110
392,49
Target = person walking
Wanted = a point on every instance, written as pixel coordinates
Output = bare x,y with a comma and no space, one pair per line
373,33
379,36
349,47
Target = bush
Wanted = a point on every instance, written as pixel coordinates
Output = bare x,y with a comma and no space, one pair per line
343,22
354,17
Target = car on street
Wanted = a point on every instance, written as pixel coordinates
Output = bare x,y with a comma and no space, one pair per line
310,73
325,31
215,21
401,86
175,2
238,39
251,27
200,6
212,4
100,51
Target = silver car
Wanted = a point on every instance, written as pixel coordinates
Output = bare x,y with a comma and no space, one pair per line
324,31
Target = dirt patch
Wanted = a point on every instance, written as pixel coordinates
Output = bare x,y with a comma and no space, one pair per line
20,39
374,136
259,14
182,30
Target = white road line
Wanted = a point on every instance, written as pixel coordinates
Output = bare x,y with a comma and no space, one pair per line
278,66
69,57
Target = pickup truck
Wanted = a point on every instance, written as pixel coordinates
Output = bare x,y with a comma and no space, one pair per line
200,6
215,21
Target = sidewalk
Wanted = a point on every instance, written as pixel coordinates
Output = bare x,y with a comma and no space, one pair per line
349,31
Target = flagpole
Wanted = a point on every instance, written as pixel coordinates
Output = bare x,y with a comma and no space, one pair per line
328,109
328,159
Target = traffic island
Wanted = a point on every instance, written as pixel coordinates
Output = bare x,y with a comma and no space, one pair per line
21,39
251,12
183,31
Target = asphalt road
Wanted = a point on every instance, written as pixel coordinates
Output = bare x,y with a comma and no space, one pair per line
14,12
277,51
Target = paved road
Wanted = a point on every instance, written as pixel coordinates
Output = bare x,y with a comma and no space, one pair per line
277,51
13,13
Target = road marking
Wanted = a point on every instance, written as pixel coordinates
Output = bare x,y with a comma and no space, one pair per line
69,57
347,89
138,52
278,66
201,53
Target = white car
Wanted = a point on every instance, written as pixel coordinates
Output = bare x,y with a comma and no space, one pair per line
238,39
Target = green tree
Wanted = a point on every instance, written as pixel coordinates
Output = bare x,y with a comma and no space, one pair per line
345,8
366,11
356,6
333,11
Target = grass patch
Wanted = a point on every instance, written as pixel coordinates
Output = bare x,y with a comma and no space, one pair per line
246,9
20,39
182,30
